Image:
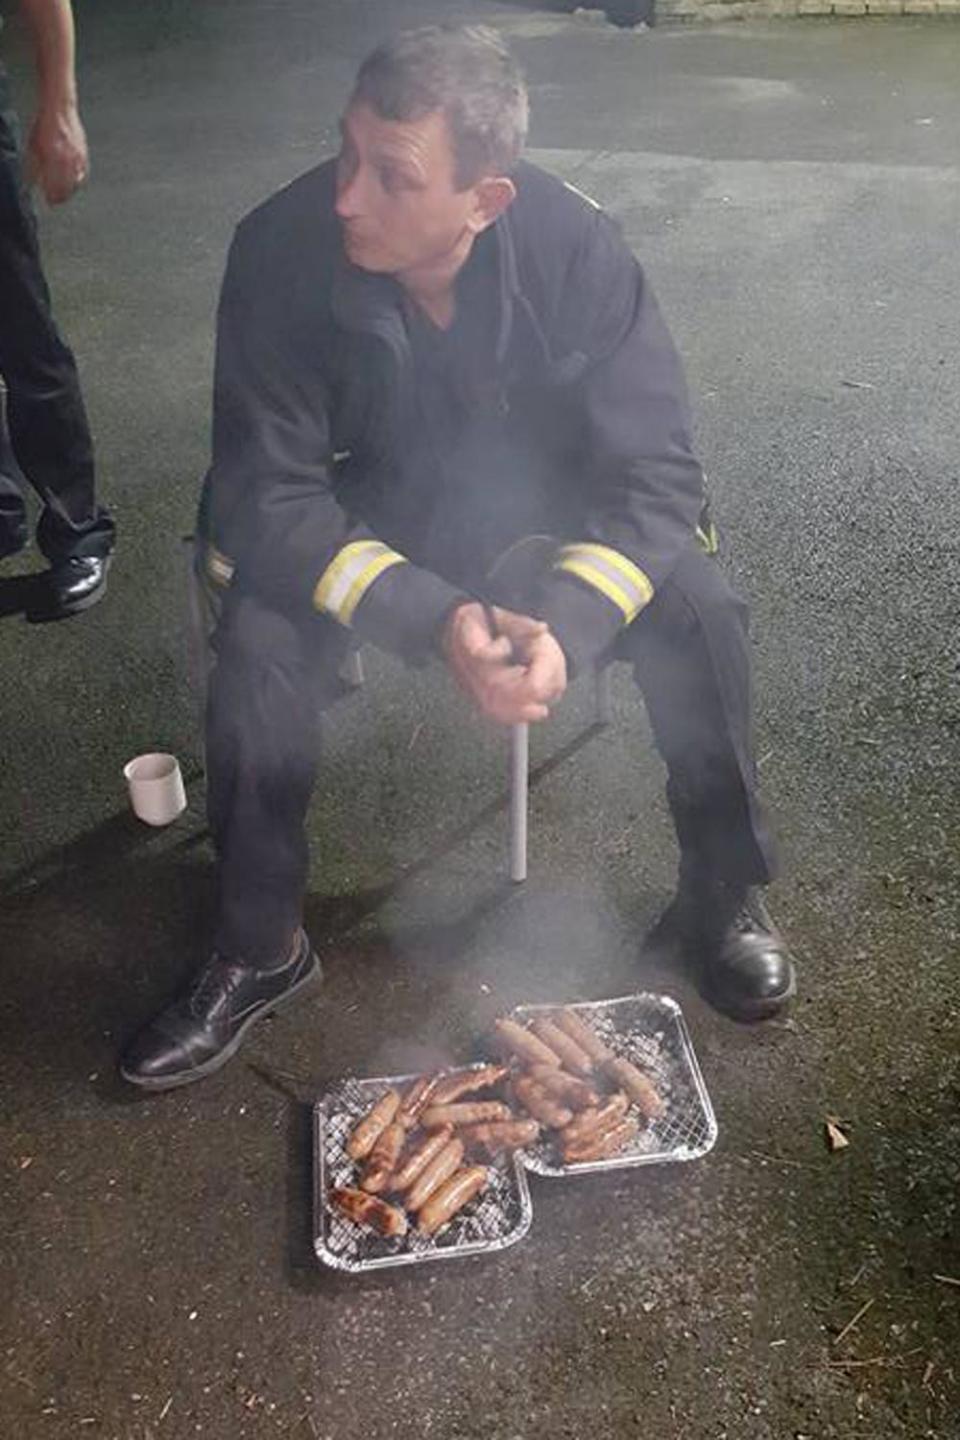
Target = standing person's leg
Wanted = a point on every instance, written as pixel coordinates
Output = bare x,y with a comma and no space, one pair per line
47,421
13,512
691,656
270,680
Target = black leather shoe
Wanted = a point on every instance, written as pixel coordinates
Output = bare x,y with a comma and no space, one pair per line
12,544
74,585
743,963
200,1031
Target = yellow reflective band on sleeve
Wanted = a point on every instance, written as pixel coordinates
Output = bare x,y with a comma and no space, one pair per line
610,572
349,576
598,581
363,582
219,566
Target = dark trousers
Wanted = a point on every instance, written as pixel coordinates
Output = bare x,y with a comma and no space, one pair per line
46,438
272,677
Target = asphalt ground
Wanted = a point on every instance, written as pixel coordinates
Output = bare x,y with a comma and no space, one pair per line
793,190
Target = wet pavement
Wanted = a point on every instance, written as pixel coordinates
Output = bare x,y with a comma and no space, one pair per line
794,192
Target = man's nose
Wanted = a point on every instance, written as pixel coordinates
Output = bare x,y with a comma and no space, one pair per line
349,201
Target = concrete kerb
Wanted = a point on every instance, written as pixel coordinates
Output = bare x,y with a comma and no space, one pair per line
721,11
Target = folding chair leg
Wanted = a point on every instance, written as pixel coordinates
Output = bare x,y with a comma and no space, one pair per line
519,781
604,701
351,671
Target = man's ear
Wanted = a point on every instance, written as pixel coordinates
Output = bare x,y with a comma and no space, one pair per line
492,195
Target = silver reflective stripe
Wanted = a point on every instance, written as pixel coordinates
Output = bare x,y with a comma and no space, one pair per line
583,195
220,567
600,566
349,576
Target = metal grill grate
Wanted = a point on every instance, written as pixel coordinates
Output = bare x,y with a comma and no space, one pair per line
495,1219
647,1029
650,1031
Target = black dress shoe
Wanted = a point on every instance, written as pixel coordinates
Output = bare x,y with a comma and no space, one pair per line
74,585
726,931
13,543
200,1031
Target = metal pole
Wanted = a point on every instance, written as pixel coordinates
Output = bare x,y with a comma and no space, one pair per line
519,778
351,671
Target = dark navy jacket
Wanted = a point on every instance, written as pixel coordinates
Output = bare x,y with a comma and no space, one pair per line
329,490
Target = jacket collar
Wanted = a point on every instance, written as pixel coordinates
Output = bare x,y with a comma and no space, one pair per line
509,287
363,302
373,304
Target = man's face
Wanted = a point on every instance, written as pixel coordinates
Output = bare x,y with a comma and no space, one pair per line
396,197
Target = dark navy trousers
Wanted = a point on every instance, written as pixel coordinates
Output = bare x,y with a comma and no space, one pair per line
273,676
44,435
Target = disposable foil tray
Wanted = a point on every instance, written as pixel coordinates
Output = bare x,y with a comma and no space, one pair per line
492,1221
650,1031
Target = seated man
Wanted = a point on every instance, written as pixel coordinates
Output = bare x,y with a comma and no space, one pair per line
431,356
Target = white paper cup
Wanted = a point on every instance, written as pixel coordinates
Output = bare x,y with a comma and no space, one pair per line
156,787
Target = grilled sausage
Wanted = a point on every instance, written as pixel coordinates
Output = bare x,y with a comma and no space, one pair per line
573,1056
383,1158
594,1122
571,1024
498,1135
368,1210
451,1087
542,1107
637,1085
415,1097
451,1198
419,1156
432,1176
603,1146
524,1045
470,1114
365,1135
568,1088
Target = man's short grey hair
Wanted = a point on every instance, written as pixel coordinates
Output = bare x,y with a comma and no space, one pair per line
467,72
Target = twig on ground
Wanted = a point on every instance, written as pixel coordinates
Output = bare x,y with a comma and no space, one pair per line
273,1073
893,1361
859,1316
946,1280
781,1160
857,1277
858,1364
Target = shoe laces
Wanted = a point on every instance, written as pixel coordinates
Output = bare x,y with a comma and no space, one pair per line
750,916
734,908
217,981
